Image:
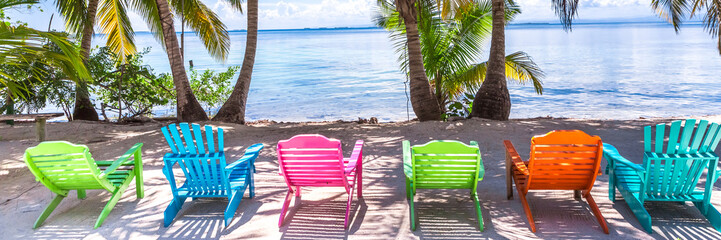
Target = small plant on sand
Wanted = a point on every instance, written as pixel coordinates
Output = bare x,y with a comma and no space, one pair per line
212,88
127,90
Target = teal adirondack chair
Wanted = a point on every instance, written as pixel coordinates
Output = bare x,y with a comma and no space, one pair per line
442,165
668,174
62,166
207,175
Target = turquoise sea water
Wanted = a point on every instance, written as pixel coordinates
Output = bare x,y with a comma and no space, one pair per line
607,71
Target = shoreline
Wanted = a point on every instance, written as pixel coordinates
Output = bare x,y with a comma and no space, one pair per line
381,214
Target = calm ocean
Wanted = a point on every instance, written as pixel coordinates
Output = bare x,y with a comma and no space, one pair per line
605,71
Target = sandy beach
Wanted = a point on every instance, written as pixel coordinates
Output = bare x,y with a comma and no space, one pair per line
382,213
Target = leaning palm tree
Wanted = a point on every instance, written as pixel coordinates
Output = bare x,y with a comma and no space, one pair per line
425,106
451,43
21,47
233,110
200,18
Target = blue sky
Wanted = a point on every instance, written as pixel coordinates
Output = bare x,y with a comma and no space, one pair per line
285,14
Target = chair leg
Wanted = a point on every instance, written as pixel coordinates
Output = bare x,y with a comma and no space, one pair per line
233,204
286,203
527,209
49,209
111,204
348,206
596,211
359,180
172,210
81,194
712,214
413,210
612,187
138,169
252,184
509,179
297,191
577,195
478,210
638,210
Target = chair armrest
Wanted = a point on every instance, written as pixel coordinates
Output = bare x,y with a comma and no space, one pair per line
515,158
122,160
251,153
613,157
356,158
407,163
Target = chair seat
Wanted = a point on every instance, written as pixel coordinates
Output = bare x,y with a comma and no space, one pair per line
628,180
214,187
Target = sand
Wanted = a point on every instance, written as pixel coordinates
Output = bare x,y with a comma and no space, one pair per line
383,212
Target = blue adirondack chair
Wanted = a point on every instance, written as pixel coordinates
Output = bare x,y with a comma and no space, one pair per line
671,173
206,173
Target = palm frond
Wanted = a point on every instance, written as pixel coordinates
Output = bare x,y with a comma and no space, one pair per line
566,10
520,68
207,25
148,9
21,46
236,4
114,22
672,10
74,13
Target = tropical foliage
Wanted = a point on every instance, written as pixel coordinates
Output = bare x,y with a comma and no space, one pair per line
29,57
451,46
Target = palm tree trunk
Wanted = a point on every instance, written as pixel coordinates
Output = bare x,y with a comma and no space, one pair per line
188,107
492,100
84,108
425,105
233,110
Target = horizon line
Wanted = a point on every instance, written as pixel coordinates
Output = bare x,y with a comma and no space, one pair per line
510,24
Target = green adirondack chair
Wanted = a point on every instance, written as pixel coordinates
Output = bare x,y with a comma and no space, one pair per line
62,166
442,165
668,174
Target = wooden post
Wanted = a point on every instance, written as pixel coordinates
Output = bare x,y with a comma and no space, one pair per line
40,129
9,108
509,181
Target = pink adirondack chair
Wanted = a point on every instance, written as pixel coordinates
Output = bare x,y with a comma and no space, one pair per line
313,160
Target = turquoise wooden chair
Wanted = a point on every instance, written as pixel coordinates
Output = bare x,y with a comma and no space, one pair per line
206,173
669,174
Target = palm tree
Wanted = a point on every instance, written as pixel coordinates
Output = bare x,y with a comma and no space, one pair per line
233,110
452,42
425,105
21,46
492,101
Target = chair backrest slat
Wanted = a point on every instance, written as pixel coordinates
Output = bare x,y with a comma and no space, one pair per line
675,172
312,160
564,160
698,137
445,164
673,137
203,169
210,139
199,139
189,143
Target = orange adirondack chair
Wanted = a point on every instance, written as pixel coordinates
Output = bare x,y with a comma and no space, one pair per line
559,160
